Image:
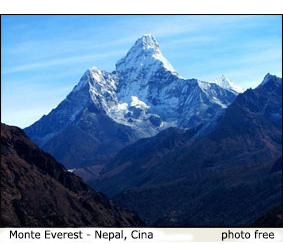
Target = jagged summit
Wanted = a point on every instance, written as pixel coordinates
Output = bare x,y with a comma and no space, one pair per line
90,72
148,41
227,84
147,44
269,77
143,57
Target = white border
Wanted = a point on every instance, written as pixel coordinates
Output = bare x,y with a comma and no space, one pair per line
141,7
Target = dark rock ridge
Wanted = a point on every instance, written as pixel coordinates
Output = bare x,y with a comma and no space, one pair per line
107,111
273,218
230,177
37,191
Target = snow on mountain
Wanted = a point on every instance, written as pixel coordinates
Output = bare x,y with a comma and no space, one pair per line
227,84
147,75
144,94
102,87
140,64
145,53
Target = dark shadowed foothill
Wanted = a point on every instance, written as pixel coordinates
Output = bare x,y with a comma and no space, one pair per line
38,191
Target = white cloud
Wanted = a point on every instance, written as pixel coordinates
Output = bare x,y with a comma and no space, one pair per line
59,61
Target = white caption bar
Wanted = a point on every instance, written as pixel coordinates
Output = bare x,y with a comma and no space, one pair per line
140,235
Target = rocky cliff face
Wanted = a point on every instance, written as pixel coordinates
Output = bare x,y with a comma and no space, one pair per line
142,97
38,191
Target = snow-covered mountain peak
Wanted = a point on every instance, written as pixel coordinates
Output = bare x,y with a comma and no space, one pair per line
227,84
143,96
143,58
94,69
148,41
91,75
97,74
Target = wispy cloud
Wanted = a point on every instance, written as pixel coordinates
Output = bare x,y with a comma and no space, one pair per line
192,40
43,57
59,61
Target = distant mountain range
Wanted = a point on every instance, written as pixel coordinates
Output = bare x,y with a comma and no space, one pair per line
37,191
143,96
229,177
178,152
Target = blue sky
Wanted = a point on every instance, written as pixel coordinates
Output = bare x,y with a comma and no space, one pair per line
43,57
